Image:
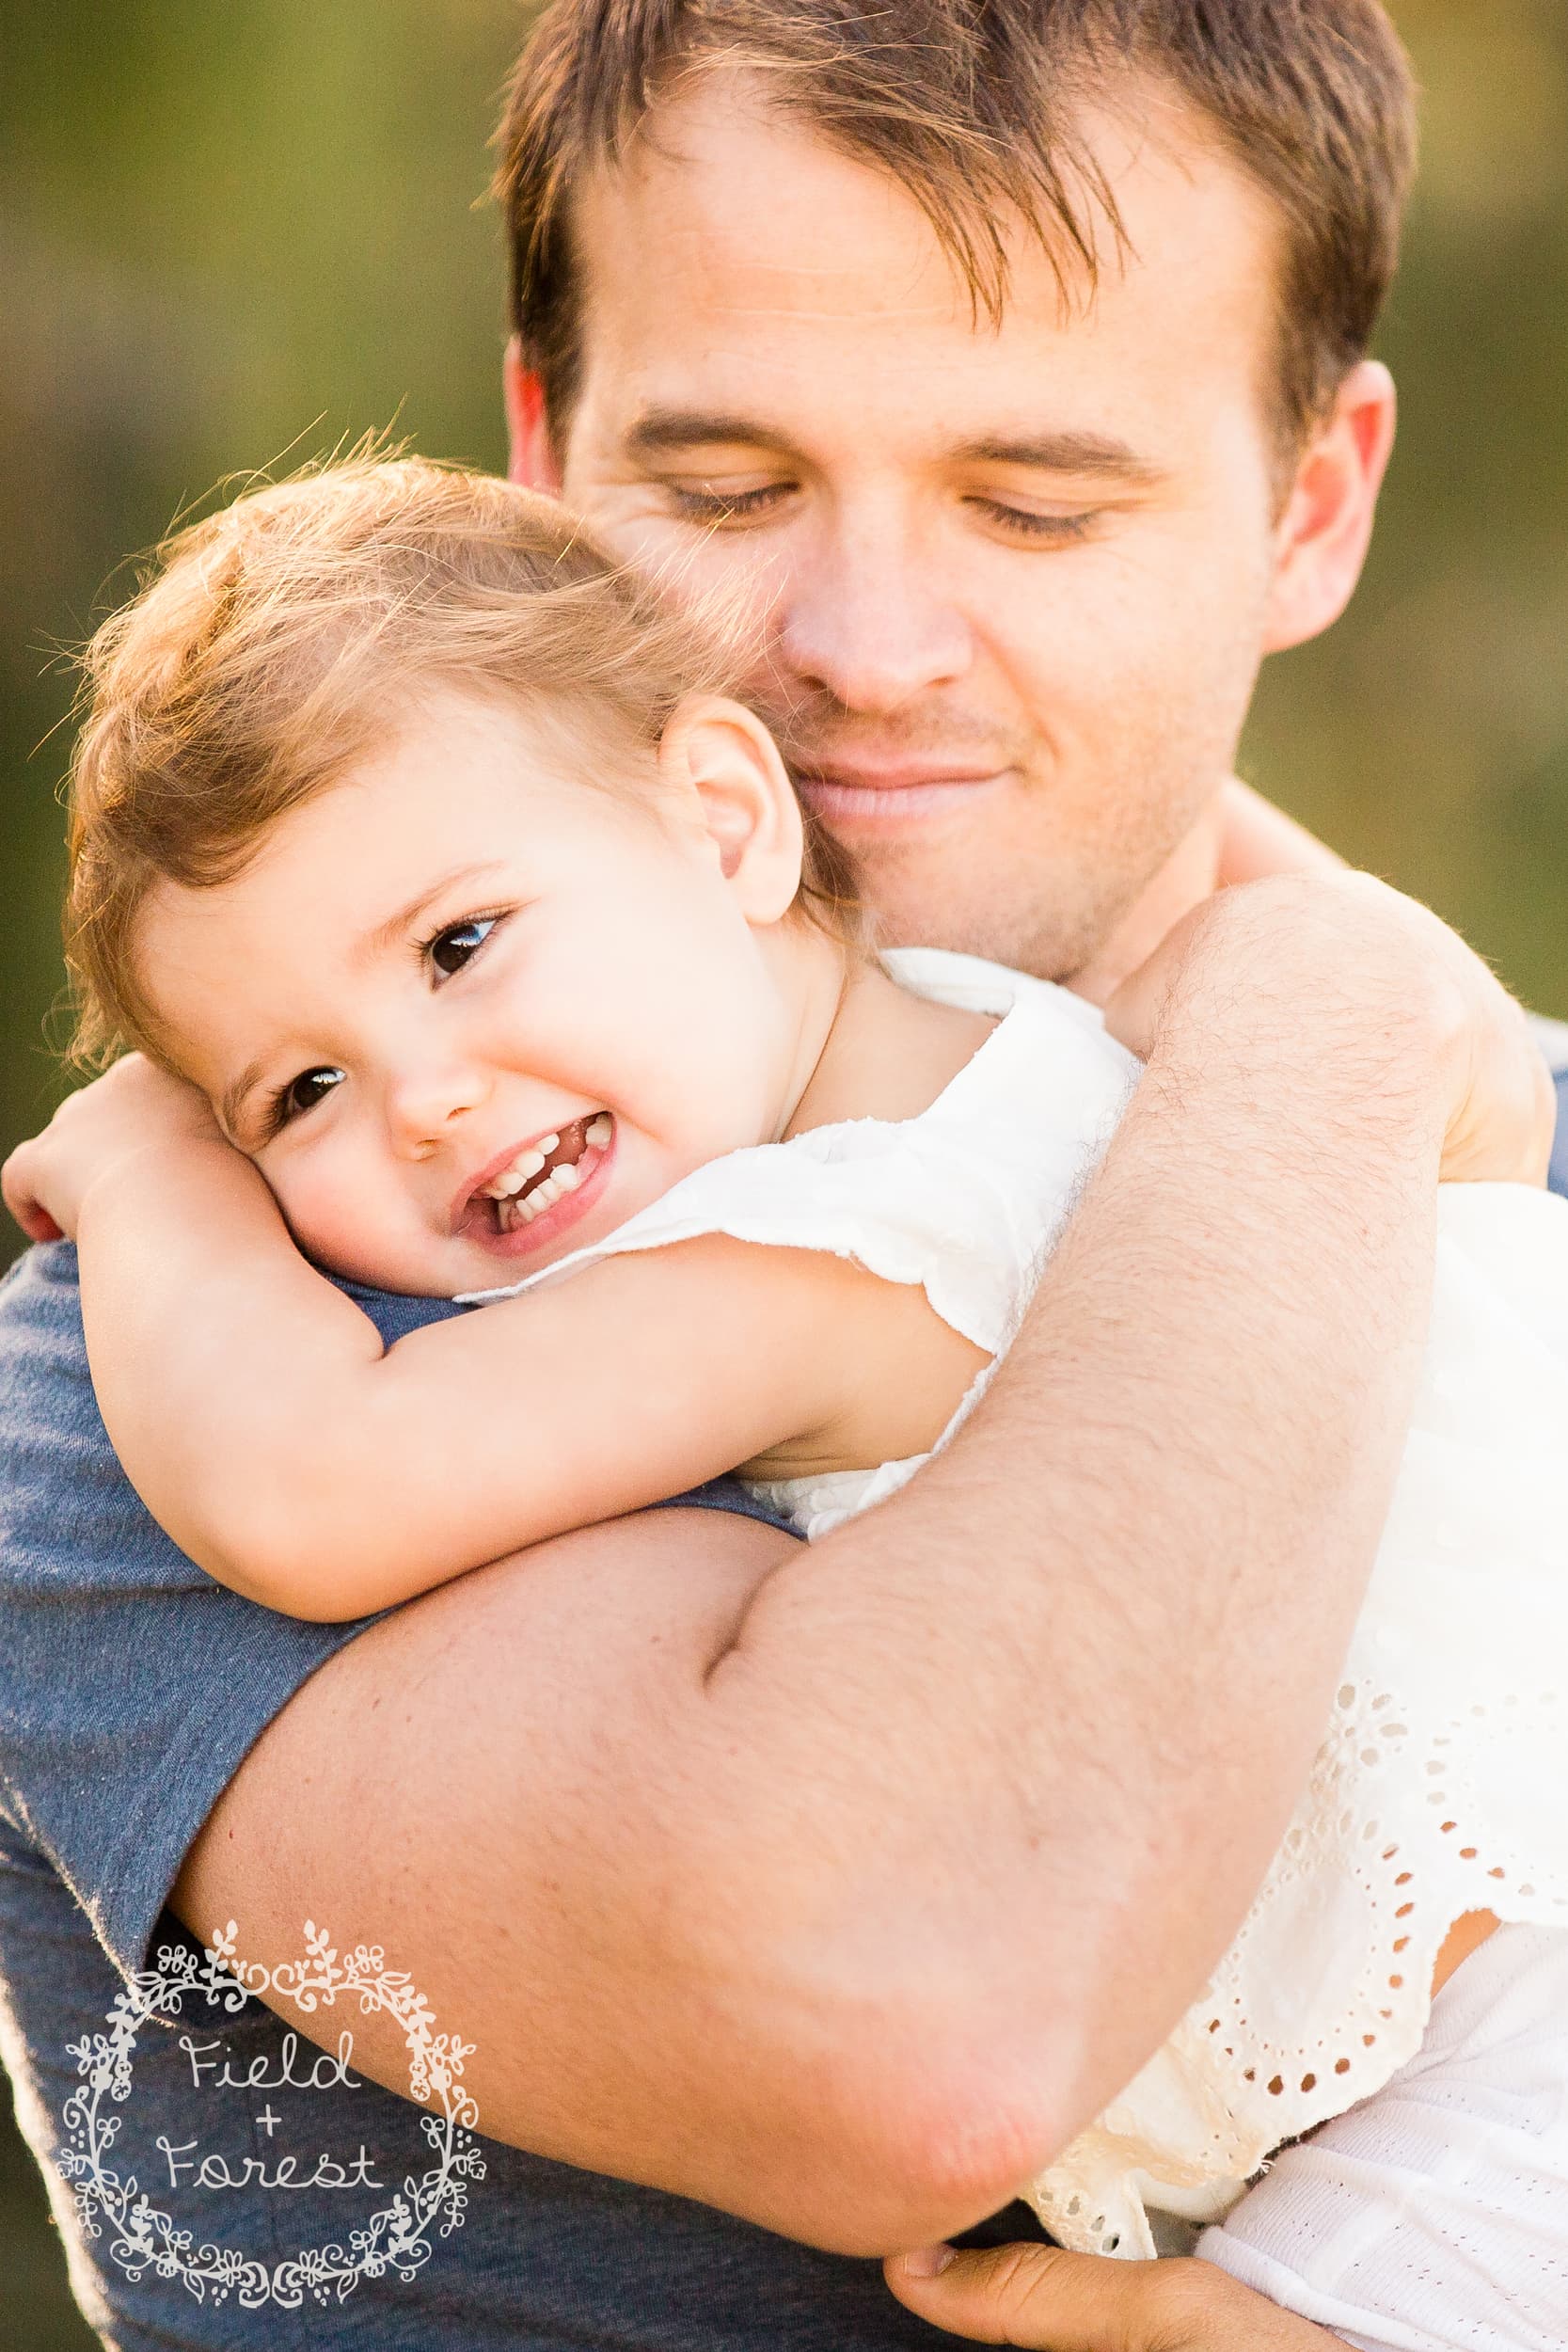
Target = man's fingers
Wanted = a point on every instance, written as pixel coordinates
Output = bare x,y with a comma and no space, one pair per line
1059,2302
1034,2295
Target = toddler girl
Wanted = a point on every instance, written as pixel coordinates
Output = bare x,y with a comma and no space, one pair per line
446,887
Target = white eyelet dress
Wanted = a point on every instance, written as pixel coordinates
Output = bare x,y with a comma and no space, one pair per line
1441,1787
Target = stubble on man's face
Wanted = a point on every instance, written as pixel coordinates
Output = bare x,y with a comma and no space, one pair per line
1015,579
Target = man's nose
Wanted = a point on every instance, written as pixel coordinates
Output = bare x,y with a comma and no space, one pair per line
869,618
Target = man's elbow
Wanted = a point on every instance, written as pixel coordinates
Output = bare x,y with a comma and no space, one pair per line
887,2115
913,2143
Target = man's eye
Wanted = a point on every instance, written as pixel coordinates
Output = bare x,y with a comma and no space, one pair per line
713,505
302,1094
451,949
1020,522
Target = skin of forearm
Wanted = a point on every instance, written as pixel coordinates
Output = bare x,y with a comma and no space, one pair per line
182,1251
299,1463
1052,1704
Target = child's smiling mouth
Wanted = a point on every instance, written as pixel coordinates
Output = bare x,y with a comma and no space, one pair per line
546,1181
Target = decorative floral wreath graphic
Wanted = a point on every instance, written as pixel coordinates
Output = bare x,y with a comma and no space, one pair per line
396,2239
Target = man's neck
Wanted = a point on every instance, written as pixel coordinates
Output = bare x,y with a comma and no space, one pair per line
1189,875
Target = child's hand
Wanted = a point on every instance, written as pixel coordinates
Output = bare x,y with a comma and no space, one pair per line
1345,948
135,1108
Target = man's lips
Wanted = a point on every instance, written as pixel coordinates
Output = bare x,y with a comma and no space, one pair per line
872,797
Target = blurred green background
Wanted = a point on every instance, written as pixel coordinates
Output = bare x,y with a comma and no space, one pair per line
231,234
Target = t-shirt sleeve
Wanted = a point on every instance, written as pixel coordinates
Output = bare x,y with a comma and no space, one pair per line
131,1687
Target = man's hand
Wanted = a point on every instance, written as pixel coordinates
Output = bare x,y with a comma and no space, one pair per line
1039,2295
132,1108
1283,936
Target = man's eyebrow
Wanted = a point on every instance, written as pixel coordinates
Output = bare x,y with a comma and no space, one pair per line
660,429
1070,451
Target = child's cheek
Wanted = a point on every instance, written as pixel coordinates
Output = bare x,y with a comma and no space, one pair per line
336,1221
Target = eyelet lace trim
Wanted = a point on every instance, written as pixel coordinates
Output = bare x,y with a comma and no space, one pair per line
1326,1991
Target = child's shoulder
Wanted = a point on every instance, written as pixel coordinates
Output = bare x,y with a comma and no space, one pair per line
1047,1052
975,984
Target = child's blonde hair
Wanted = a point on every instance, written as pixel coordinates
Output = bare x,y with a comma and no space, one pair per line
280,640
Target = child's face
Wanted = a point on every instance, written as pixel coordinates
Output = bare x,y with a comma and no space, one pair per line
459,954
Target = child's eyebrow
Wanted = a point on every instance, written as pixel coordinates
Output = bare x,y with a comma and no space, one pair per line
382,936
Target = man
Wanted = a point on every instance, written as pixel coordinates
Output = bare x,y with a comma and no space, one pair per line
834,1889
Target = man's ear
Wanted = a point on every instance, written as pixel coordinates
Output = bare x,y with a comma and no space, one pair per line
1322,534
718,756
532,459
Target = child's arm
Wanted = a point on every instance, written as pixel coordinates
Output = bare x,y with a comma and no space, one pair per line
258,1415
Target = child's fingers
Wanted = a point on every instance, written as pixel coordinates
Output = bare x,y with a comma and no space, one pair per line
21,1198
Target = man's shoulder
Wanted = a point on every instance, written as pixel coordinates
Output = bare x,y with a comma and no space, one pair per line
40,1303
48,1413
1553,1036
1554,1041
40,1300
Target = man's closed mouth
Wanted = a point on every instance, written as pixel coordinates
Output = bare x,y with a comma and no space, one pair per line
883,798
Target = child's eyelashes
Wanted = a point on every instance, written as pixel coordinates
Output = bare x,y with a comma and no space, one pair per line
299,1095
457,944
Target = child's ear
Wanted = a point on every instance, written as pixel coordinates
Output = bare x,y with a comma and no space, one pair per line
718,754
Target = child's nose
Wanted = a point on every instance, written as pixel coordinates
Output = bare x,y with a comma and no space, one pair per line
425,1106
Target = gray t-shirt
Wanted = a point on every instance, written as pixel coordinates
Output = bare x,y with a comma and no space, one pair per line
131,1690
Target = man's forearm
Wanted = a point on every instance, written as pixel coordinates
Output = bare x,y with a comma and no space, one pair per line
1057,1699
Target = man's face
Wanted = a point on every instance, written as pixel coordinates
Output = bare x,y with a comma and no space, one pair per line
1017,581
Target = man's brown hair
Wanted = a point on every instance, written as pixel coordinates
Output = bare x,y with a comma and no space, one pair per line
972,106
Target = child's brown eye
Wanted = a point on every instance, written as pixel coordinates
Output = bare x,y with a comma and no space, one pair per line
304,1092
451,949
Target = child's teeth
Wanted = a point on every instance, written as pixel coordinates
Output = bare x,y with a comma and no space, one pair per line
513,1211
513,1179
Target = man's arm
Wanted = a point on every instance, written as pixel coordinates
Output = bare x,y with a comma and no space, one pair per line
841,1886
